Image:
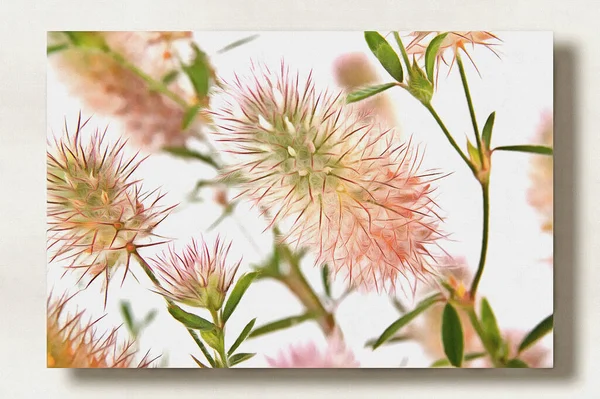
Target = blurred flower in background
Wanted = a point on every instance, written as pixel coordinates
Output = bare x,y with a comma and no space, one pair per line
73,342
337,181
308,355
111,82
540,194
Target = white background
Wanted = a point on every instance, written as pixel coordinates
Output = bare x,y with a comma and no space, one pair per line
23,155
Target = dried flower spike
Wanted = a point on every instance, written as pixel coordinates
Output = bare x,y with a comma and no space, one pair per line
73,342
334,181
198,276
97,214
104,85
308,355
452,43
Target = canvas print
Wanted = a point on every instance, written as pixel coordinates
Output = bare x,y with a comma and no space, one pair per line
300,199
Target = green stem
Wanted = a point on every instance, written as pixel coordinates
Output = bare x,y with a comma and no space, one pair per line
402,50
219,323
485,190
152,83
463,77
297,284
450,138
479,330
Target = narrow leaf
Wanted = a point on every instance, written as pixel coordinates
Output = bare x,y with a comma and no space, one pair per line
487,130
189,116
367,92
473,154
468,358
405,319
282,324
242,337
543,328
56,48
431,54
237,43
127,316
516,364
490,324
150,317
240,357
452,336
534,149
188,319
199,72
213,338
169,77
325,278
394,339
237,293
187,153
199,363
385,54
202,347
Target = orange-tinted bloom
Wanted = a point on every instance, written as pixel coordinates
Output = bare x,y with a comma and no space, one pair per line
330,178
105,86
452,43
96,211
73,342
196,277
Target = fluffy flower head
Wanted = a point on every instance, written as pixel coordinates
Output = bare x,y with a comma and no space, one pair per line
335,355
332,179
540,195
198,276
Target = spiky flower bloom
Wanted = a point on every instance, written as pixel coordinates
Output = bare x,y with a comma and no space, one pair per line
330,178
198,276
353,71
73,342
451,45
107,87
540,194
308,355
97,214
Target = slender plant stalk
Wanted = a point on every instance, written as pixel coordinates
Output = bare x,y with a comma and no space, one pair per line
402,49
485,191
465,84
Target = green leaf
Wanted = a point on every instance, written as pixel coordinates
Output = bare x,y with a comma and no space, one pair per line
242,337
213,338
385,54
170,77
150,317
473,154
189,116
487,130
202,347
93,40
237,43
282,324
543,328
325,279
418,85
405,319
199,72
367,92
468,358
128,317
190,320
394,339
516,364
240,357
236,294
431,54
534,149
452,336
490,325
187,153
199,363
56,48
